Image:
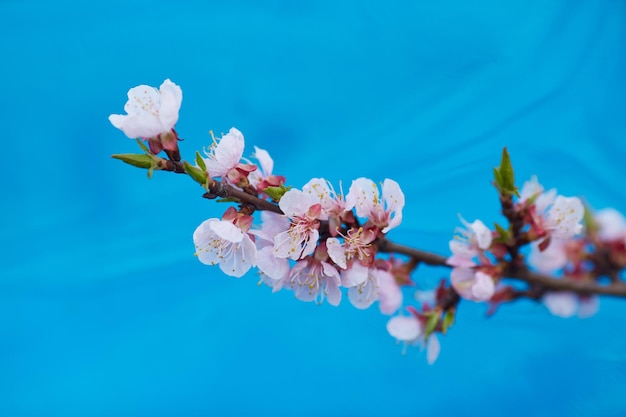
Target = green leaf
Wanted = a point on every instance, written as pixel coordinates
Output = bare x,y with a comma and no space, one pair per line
431,324
143,146
196,173
504,176
498,180
504,234
200,161
448,321
138,160
276,193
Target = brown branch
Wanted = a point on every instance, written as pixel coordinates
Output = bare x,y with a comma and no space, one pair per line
616,289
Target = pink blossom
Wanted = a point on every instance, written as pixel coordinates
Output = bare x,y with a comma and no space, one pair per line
409,331
356,246
562,304
567,304
469,243
472,285
389,293
221,242
262,178
150,112
334,206
549,214
550,259
564,217
385,213
364,294
611,225
301,237
224,156
314,280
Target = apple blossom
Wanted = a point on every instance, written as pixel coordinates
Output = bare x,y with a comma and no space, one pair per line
469,243
301,237
567,304
224,156
472,285
409,330
564,217
611,224
550,259
314,280
221,242
262,178
385,213
151,112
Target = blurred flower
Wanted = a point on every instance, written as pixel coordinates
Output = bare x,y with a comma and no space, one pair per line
566,304
409,330
469,243
472,285
611,224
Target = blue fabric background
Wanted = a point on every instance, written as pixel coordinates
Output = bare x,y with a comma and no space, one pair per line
105,311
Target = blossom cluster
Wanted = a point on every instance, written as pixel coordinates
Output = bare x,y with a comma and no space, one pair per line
321,243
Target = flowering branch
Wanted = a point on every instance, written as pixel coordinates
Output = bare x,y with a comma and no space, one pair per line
320,243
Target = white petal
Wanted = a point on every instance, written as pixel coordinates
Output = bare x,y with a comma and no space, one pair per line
562,304
171,99
227,231
270,265
363,196
240,259
336,252
356,274
432,351
226,154
362,296
588,307
389,293
394,198
483,287
550,259
565,215
462,280
482,234
265,160
295,203
404,328
531,188
611,224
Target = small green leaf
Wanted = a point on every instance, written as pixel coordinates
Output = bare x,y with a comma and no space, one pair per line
276,193
448,321
143,146
506,171
504,234
504,176
498,179
138,160
431,324
196,173
200,161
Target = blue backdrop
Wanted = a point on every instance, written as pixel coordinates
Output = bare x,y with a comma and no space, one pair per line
105,311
